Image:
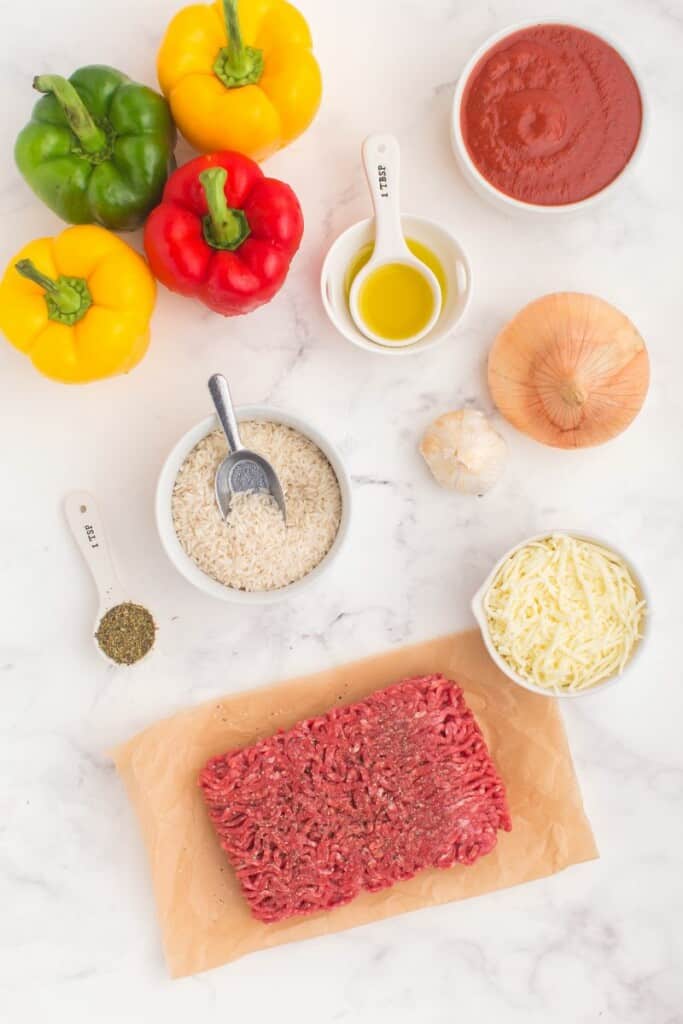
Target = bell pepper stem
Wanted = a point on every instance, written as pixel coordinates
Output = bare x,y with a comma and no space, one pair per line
68,298
81,122
28,269
224,227
236,55
236,64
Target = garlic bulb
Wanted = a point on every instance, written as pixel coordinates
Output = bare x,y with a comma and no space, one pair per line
569,370
464,452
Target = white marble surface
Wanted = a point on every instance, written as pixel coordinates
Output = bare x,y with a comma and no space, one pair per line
601,942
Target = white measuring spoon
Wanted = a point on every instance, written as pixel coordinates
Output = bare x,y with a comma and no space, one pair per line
85,521
382,163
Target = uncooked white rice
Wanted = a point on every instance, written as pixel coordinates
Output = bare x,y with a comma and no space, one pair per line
254,550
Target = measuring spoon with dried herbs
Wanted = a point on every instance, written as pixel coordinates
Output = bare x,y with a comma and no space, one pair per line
124,631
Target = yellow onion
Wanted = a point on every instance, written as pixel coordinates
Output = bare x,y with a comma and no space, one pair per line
569,370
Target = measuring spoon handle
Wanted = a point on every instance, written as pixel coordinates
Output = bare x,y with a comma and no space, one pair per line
87,526
220,393
382,164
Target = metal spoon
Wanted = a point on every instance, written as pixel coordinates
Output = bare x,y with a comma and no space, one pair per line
242,470
381,162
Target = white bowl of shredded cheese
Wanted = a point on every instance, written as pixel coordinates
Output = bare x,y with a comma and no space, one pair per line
563,614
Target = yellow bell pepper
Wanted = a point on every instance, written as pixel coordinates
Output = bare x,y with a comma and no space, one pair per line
78,304
250,83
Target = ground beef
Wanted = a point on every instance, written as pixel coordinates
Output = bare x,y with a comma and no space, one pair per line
359,798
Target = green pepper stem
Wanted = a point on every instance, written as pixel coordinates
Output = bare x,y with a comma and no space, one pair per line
91,138
237,64
68,298
224,227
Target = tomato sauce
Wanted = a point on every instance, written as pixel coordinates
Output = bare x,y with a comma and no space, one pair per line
551,115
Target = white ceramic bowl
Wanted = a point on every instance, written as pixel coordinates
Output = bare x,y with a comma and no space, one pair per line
451,255
482,622
476,179
172,546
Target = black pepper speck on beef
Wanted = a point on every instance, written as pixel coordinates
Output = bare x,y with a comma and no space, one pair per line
357,799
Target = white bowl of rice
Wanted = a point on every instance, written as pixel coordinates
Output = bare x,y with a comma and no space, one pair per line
563,614
254,557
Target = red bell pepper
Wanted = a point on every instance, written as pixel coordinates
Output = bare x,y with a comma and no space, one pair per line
223,233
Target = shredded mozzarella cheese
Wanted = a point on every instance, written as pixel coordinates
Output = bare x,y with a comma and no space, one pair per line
564,613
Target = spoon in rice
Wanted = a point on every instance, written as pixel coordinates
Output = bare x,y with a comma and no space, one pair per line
242,470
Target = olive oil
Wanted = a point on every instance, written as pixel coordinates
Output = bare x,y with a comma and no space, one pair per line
396,302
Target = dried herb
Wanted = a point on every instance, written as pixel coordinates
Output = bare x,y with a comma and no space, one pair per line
126,633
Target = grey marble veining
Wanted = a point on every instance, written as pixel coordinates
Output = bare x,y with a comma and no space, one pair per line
600,943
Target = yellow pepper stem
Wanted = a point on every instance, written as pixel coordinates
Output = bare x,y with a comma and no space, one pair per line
68,299
224,227
236,64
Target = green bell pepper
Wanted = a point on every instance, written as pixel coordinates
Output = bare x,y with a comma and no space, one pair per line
98,148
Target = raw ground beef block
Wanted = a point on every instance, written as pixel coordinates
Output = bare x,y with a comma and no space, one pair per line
358,798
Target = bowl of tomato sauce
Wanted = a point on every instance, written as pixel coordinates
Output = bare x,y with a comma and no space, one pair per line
547,118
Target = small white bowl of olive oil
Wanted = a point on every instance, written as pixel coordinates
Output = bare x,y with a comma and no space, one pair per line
427,240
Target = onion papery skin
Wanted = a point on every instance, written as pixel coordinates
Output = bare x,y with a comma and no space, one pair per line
569,370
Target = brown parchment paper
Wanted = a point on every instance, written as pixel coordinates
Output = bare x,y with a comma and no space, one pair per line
204,919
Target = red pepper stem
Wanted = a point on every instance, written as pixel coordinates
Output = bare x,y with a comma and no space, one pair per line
68,298
91,138
237,64
224,227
